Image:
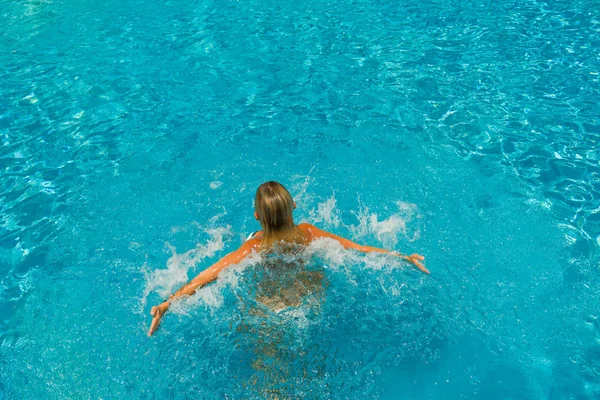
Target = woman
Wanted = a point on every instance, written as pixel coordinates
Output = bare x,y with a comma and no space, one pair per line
273,209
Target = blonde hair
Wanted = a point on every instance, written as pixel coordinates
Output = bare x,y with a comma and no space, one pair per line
274,206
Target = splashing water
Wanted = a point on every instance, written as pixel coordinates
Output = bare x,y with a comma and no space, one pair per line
121,126
389,229
166,281
278,339
326,214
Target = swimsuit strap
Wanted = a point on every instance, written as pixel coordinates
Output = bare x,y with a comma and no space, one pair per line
252,235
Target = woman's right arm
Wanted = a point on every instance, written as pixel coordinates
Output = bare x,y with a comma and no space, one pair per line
316,233
204,277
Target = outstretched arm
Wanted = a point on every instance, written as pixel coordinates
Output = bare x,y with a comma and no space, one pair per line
204,277
315,233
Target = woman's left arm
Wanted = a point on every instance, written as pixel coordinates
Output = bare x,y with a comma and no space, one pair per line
348,244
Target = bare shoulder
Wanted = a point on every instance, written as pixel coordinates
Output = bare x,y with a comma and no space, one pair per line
306,230
305,226
311,231
251,244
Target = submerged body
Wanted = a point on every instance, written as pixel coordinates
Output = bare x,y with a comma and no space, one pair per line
274,206
278,296
278,316
286,281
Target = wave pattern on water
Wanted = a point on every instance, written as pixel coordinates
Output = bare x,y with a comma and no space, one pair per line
128,125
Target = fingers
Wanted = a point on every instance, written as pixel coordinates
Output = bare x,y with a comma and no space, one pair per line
415,258
154,325
157,313
421,267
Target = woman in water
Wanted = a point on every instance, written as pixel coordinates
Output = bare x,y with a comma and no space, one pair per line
273,209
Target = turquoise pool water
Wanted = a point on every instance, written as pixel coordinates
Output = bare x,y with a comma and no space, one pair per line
134,135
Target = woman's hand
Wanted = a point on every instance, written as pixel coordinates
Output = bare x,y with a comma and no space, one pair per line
157,312
415,259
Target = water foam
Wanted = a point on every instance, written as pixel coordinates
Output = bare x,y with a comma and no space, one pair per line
326,213
331,253
388,230
300,192
212,295
166,281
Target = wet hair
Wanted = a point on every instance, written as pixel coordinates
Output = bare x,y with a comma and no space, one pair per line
274,206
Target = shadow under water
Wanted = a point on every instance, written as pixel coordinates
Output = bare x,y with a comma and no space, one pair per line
275,328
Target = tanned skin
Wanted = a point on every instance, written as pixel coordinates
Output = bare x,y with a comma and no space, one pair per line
311,233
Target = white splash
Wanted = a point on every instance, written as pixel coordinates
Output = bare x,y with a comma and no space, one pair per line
166,281
326,214
336,257
300,190
388,230
329,250
212,295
